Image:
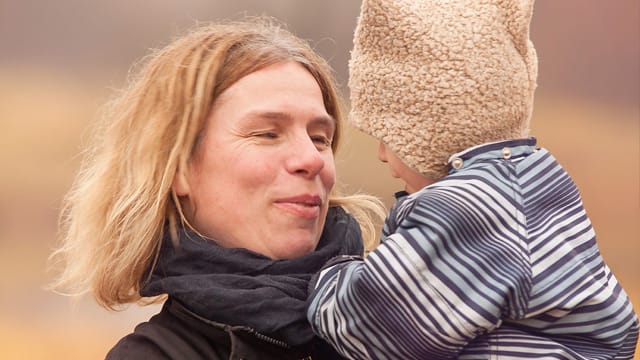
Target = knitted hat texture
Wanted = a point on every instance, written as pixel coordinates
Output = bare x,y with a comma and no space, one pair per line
430,78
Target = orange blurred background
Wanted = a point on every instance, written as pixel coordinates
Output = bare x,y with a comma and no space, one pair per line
60,60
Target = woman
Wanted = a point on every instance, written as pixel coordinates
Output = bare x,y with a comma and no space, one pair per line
211,181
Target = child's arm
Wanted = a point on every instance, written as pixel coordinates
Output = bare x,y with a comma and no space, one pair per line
450,272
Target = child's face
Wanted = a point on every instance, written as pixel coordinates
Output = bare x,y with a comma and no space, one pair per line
413,180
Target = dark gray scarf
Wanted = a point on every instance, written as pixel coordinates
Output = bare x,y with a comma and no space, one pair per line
243,288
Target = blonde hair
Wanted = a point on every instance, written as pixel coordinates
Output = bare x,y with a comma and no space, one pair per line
114,216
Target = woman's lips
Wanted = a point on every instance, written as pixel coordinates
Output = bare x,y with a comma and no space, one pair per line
304,206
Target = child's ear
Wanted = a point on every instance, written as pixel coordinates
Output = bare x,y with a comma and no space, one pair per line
180,184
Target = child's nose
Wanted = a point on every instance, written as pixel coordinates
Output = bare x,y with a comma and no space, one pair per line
382,152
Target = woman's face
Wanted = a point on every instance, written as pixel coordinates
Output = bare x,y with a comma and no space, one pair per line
261,176
412,179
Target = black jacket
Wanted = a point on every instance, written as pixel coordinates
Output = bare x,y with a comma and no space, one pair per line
177,333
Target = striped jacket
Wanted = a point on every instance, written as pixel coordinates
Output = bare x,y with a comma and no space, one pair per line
498,260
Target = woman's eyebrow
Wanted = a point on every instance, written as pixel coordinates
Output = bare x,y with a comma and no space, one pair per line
325,120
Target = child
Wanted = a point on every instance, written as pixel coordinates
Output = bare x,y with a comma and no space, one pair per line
489,253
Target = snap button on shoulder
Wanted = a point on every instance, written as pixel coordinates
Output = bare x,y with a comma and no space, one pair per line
457,163
506,153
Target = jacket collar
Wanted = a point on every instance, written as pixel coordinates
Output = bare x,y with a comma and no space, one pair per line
508,149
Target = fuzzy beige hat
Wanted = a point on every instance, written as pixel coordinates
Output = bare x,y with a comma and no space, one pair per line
430,78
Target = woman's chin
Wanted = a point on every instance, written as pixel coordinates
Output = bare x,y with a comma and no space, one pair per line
294,248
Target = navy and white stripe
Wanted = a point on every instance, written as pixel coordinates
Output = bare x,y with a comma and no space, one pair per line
496,260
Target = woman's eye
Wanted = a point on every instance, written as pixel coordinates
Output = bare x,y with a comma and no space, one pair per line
268,135
321,141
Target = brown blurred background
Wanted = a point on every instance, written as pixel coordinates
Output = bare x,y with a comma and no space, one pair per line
59,60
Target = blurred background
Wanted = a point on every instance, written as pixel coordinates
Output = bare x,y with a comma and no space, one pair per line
60,60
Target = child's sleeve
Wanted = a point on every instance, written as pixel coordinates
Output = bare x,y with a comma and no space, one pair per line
448,273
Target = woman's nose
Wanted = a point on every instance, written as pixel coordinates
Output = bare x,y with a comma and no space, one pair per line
382,152
305,158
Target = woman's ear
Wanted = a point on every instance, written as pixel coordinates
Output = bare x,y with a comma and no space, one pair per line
180,184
